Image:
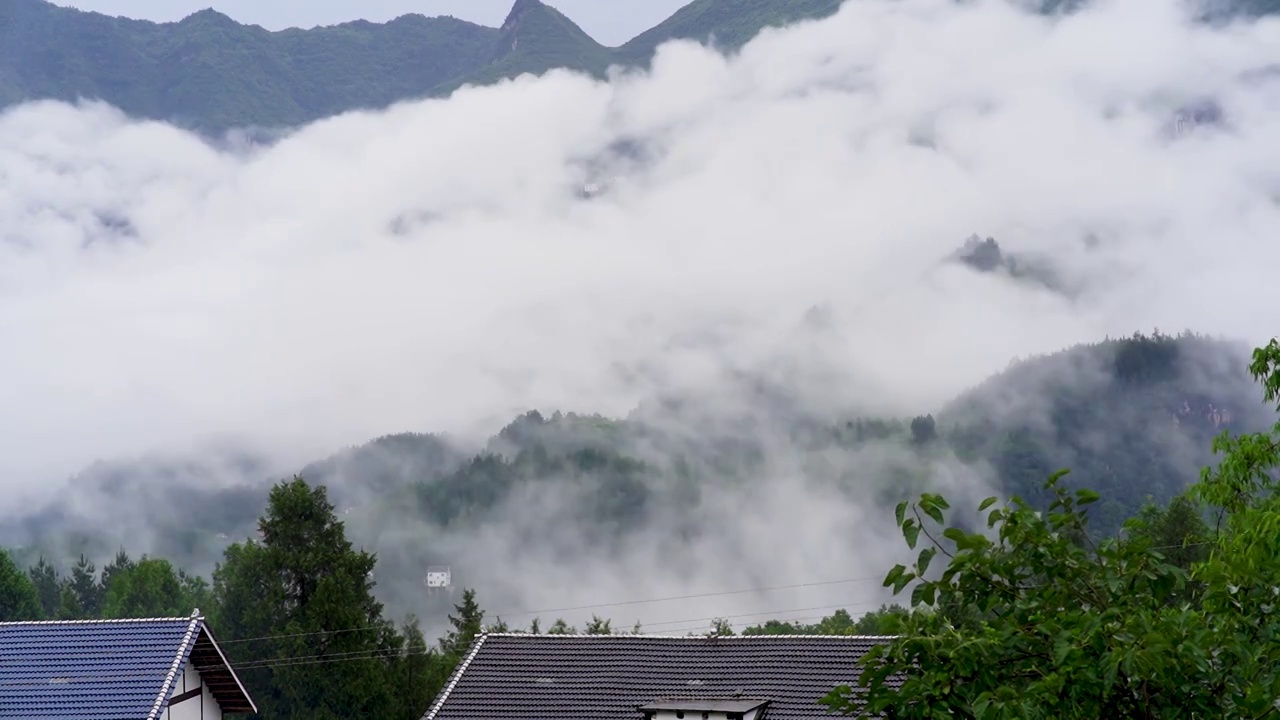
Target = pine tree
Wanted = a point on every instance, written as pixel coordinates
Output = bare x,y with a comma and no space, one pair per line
467,624
45,578
307,594
82,594
121,562
599,626
18,597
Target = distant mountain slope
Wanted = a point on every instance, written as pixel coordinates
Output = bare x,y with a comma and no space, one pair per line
729,23
536,38
1132,418
210,73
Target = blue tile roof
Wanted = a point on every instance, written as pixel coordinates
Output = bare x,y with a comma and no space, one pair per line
103,669
512,676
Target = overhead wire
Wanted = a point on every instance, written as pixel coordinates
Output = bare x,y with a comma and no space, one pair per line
389,653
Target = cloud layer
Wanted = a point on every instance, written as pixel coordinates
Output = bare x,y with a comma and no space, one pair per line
435,266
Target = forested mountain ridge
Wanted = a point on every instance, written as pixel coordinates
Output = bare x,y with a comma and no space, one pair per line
210,73
297,615
1133,417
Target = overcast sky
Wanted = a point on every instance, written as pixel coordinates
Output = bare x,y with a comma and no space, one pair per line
611,22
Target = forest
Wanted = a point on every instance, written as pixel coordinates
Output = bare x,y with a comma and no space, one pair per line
1133,418
296,607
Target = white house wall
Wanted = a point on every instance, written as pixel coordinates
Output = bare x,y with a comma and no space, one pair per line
201,708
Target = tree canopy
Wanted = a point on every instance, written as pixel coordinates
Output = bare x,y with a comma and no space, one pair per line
1031,618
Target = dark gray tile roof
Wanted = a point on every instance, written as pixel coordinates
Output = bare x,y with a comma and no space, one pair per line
107,669
608,677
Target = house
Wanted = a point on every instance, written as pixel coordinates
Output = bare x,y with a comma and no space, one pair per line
146,669
639,677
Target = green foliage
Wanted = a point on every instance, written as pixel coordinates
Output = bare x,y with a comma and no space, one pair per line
211,73
885,621
82,594
304,593
467,625
45,579
1131,417
598,626
1032,619
729,23
615,488
150,588
18,597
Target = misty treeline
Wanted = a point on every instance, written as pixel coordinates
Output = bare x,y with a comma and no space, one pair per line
295,613
1178,616
1133,417
1036,615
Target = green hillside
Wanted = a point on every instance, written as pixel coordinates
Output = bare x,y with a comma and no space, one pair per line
210,73
536,38
728,23
1133,418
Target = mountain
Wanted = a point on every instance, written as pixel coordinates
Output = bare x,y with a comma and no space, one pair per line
730,24
209,73
536,38
1132,418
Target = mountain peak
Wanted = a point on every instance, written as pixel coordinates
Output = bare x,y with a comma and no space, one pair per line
519,10
209,16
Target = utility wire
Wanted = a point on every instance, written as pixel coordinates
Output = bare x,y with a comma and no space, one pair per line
525,613
289,661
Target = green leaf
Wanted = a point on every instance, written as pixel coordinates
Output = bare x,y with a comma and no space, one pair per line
1085,496
911,531
986,504
894,574
900,511
926,555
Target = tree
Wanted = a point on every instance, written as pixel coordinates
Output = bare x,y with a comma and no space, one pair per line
560,627
599,626
150,588
120,562
315,644
924,430
888,620
1039,622
45,579
18,597
467,624
82,594
421,672
721,628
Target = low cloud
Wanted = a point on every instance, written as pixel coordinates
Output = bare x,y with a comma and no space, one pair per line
436,266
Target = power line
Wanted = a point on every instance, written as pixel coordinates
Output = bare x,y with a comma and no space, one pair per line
385,653
694,596
525,613
287,661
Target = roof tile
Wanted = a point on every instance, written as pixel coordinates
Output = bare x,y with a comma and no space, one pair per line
608,677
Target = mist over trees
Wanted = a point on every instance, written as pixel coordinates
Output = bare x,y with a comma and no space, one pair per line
1132,417
1173,618
1168,615
694,336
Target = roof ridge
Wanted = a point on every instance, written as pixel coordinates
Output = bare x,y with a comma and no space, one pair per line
793,636
195,621
457,675
96,621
